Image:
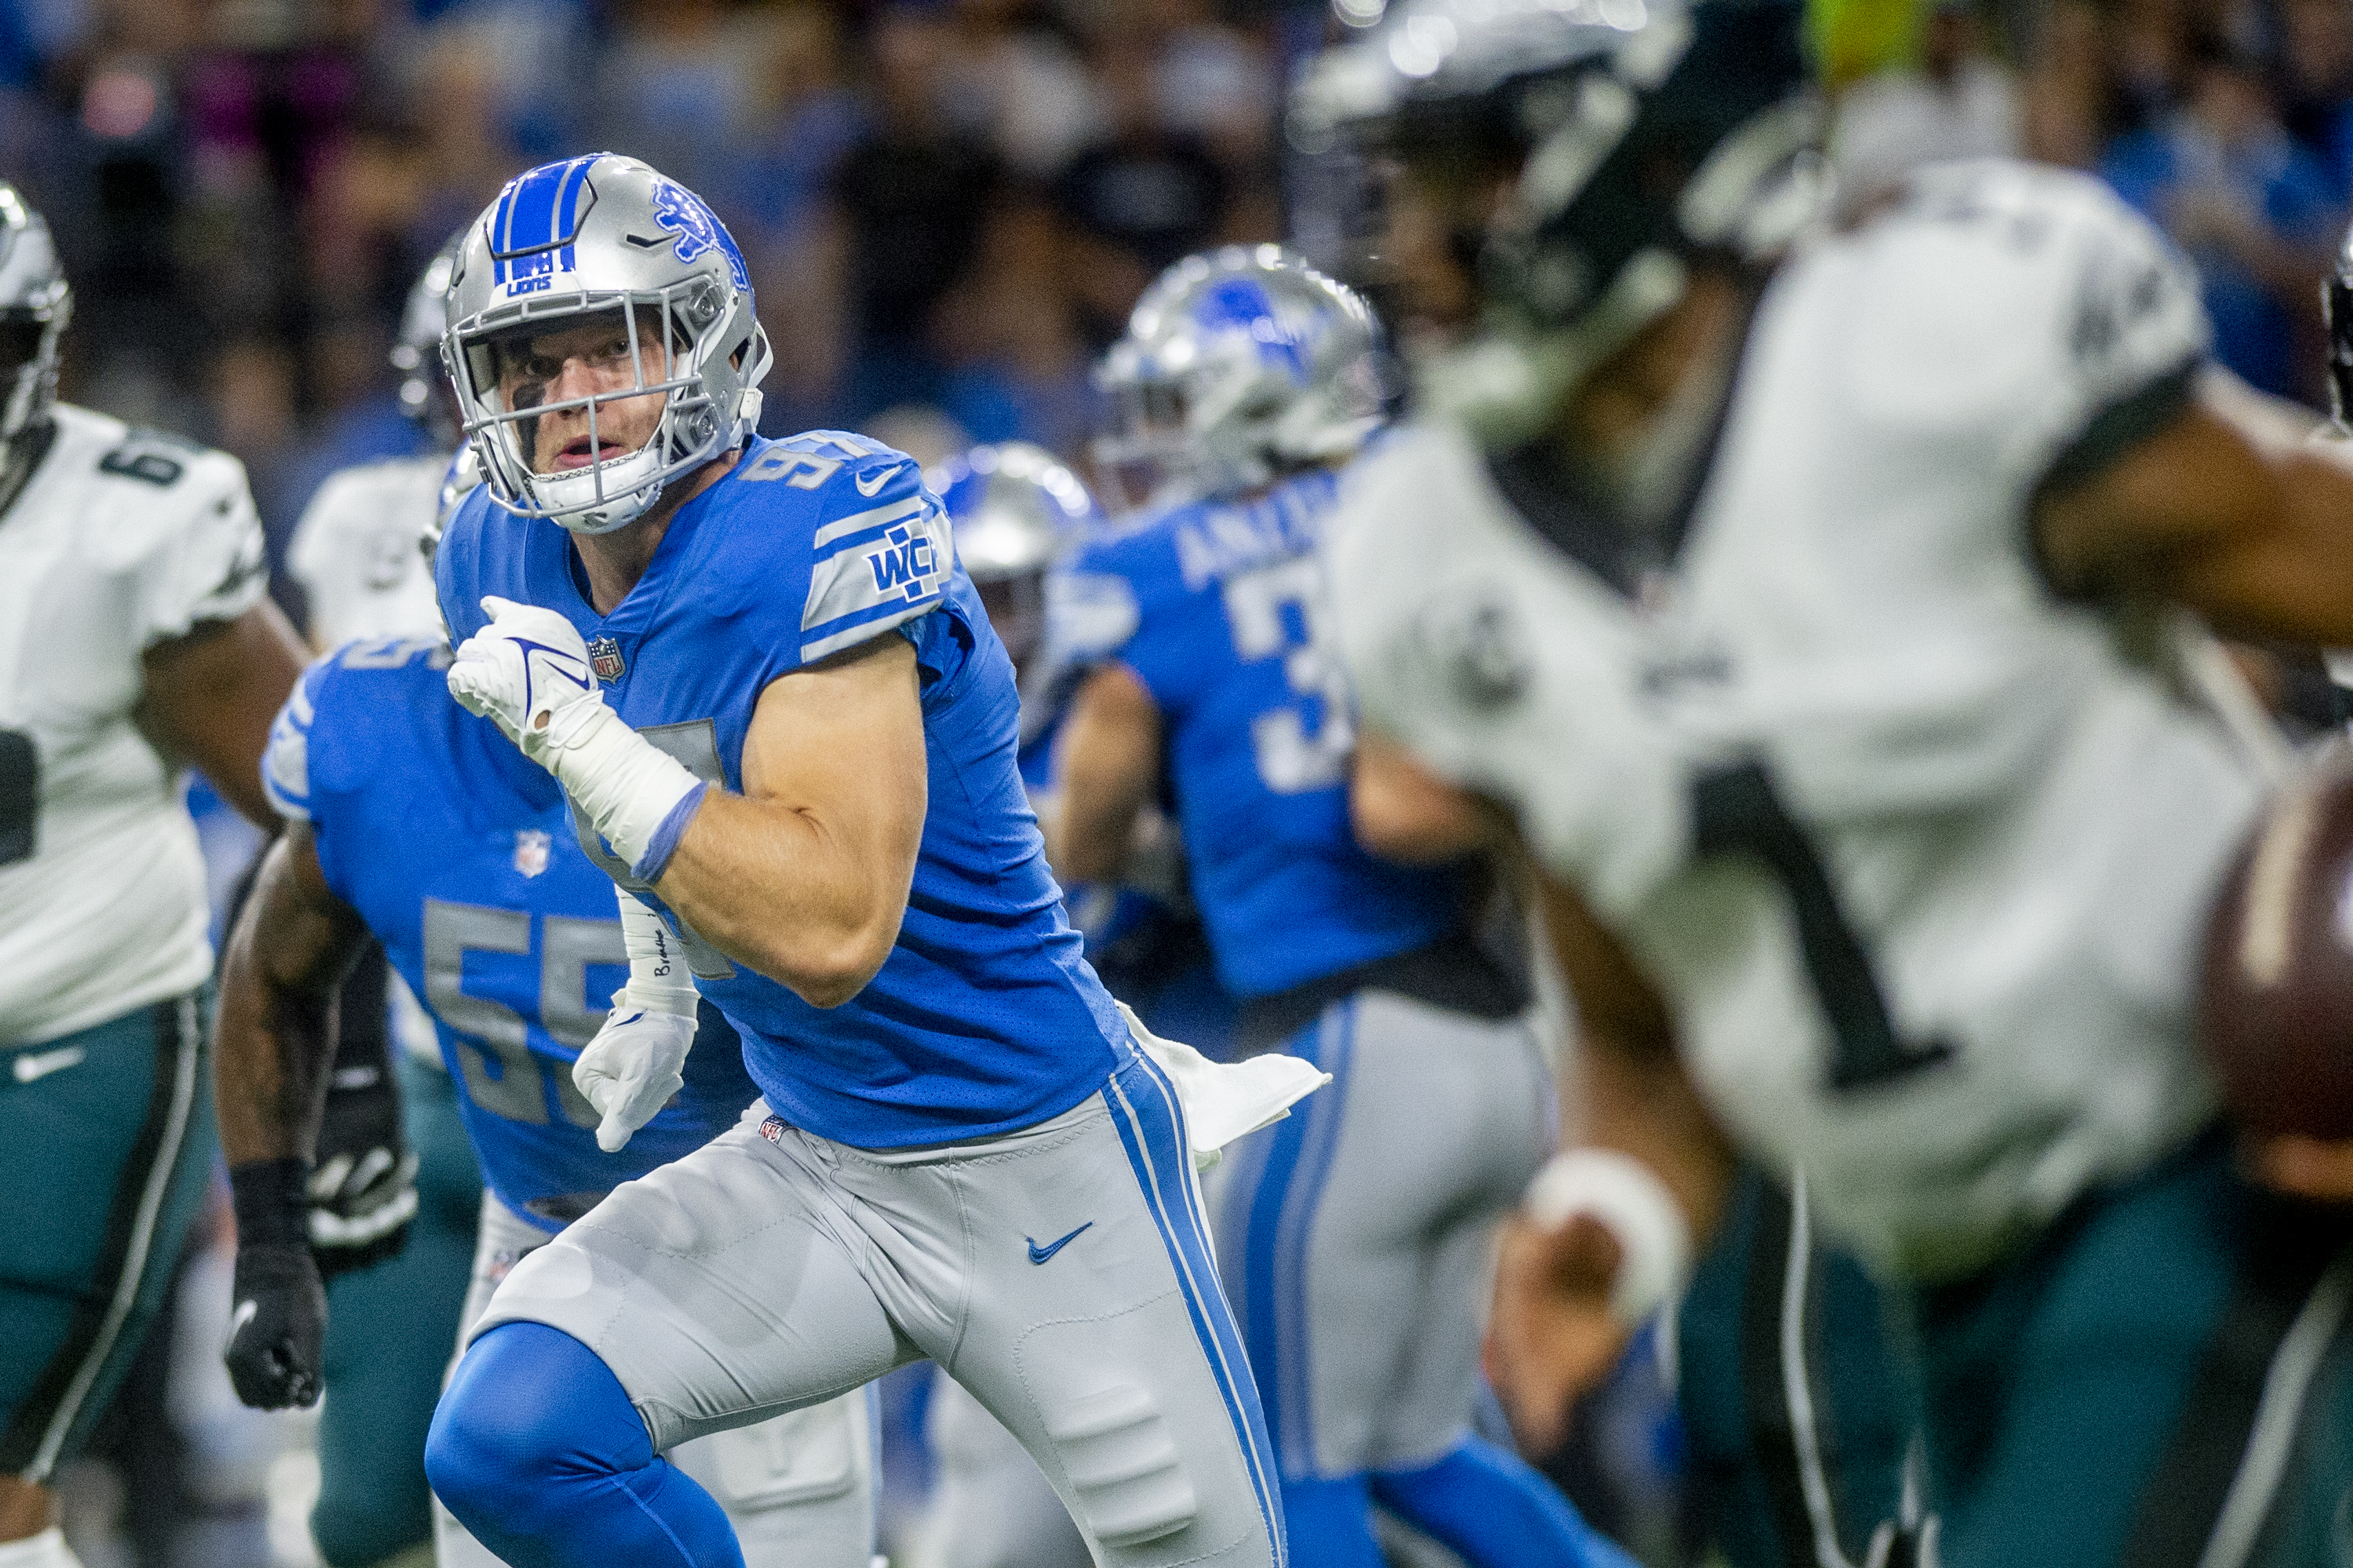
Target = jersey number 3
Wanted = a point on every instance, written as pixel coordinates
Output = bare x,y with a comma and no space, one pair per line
1736,810
20,795
1304,744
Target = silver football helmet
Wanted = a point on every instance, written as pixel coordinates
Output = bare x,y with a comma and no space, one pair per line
592,241
416,353
1238,367
35,305
1016,510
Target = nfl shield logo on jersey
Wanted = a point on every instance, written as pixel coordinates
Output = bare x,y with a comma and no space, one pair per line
604,659
532,845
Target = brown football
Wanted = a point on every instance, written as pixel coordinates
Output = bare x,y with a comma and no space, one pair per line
2276,999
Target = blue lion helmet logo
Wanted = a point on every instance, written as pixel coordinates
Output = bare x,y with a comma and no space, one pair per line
697,228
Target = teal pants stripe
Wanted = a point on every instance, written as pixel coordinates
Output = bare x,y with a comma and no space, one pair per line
108,1138
1748,1458
391,1331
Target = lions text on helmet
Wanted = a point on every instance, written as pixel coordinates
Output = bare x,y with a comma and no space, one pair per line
601,341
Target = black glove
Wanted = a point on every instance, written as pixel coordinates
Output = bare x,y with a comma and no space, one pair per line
277,1330
362,1193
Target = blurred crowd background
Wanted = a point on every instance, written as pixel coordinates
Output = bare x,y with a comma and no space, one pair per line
950,204
948,208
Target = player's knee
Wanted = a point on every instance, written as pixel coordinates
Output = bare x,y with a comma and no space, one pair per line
530,1413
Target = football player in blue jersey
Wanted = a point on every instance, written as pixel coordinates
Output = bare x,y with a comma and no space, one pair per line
1355,1236
787,731
410,820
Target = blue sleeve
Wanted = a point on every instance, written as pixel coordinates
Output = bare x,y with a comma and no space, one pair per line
878,553
458,569
286,760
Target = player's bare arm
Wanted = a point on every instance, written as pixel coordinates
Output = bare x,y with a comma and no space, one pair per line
275,1039
210,697
1403,812
2219,511
1110,761
804,876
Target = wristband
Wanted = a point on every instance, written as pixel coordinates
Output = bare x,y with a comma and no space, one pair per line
271,1200
665,840
625,786
1653,1237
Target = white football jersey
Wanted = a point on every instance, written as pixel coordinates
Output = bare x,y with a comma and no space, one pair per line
120,541
1846,756
355,552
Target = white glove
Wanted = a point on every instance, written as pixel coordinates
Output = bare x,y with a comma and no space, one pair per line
528,673
521,671
631,1069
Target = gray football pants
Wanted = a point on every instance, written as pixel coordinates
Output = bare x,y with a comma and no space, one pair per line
990,1507
1355,1237
1062,1274
798,1488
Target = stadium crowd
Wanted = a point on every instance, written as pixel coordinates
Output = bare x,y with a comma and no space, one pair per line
948,208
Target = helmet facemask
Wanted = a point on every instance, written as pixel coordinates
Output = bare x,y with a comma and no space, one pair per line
607,244
663,339
29,350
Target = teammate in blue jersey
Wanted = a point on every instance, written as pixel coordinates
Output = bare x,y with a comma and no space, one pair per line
787,731
1355,1236
412,821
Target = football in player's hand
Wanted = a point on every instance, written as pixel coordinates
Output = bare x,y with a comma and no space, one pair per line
2275,1001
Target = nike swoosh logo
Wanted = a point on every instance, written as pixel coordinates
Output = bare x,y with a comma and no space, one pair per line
870,490
1041,1253
36,1065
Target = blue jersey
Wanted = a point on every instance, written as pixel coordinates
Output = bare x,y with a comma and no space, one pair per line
985,1018
455,850
1217,607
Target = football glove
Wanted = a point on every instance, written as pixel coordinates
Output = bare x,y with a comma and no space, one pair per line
528,672
632,1067
277,1331
362,1192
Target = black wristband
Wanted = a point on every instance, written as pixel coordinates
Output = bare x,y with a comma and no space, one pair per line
272,1201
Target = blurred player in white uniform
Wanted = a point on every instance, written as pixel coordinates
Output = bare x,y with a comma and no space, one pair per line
134,639
355,550
1767,578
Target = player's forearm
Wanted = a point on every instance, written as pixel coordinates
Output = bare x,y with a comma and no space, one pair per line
1401,812
1649,1111
786,893
1091,834
1109,764
274,1041
210,697
2291,580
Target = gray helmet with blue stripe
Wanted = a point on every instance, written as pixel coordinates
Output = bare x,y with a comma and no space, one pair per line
1238,367
610,237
